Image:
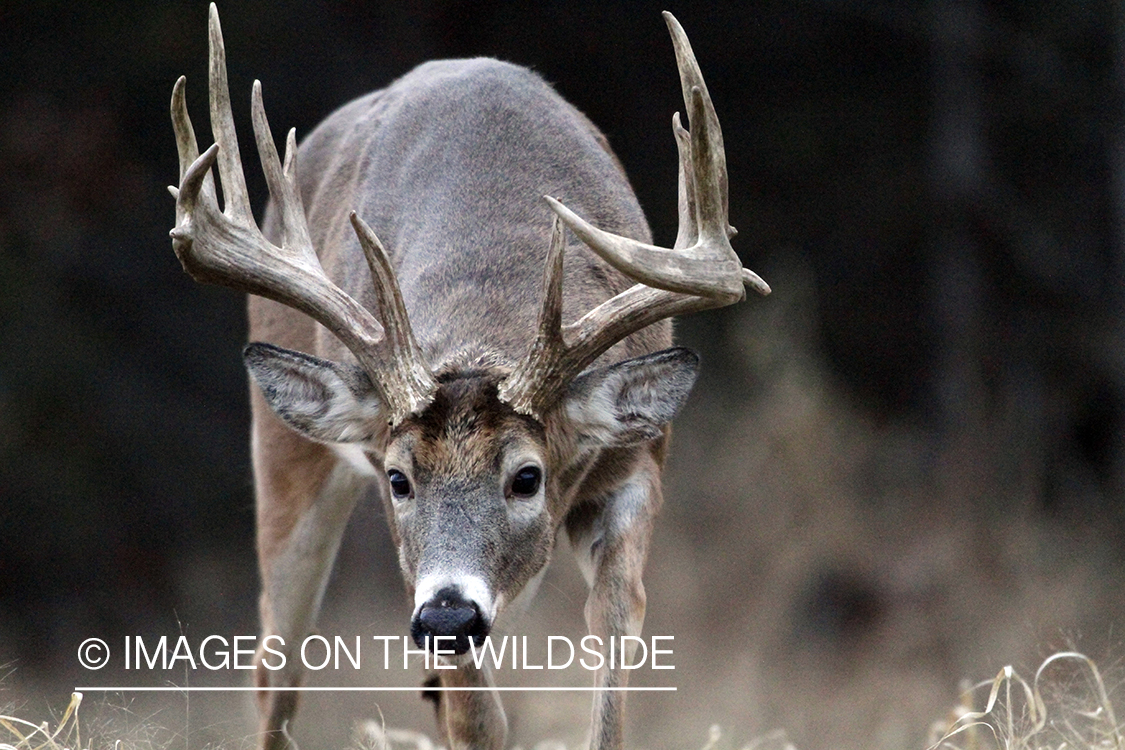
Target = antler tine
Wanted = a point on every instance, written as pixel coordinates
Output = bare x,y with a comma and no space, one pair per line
409,383
527,390
227,248
236,199
186,145
282,183
687,234
702,271
704,122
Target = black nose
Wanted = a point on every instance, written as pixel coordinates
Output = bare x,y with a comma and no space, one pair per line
448,614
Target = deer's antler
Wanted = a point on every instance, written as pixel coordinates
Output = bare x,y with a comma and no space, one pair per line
226,247
701,272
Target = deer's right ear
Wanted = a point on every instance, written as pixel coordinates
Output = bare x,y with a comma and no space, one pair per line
325,401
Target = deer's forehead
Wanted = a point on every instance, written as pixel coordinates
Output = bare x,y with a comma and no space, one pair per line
466,430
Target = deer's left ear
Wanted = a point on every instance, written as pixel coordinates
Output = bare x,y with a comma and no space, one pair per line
630,402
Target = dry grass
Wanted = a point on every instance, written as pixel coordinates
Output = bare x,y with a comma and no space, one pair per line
1065,706
101,726
24,735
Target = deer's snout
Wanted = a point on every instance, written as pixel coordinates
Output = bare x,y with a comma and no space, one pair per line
447,613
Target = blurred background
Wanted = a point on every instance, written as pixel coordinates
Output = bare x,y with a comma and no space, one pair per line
901,470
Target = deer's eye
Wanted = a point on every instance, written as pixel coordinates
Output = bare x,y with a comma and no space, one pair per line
526,481
400,485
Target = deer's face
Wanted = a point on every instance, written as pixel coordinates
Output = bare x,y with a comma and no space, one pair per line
475,489
471,491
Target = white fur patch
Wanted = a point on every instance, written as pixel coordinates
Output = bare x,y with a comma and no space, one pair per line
618,516
349,417
473,589
596,414
354,456
627,503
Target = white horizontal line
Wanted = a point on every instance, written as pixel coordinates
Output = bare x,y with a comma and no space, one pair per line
245,689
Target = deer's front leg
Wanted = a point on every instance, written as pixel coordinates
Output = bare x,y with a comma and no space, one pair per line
611,547
470,719
305,497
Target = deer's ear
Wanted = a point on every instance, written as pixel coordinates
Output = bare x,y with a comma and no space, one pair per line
630,402
325,401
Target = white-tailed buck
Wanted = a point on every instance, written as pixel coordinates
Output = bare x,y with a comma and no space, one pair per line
443,369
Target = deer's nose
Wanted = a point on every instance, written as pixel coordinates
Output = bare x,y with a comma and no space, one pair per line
449,614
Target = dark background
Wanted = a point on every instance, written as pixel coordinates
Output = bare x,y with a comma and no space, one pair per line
936,191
